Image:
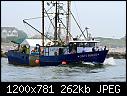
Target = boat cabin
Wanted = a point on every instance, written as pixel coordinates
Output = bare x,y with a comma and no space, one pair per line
72,47
82,46
34,46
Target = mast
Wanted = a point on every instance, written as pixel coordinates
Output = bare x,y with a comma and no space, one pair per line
55,33
42,34
68,20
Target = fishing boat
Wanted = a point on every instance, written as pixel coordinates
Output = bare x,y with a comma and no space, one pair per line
56,51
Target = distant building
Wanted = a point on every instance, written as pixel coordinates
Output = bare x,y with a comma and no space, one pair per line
9,32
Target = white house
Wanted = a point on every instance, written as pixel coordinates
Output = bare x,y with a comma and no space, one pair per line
9,32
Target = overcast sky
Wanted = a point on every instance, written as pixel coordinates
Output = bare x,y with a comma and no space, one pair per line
104,18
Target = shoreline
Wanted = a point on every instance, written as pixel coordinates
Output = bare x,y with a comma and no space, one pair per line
116,55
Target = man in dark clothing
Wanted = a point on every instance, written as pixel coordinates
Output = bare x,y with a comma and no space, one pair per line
24,49
93,49
105,48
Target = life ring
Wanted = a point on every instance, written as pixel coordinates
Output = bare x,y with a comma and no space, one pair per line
37,61
64,62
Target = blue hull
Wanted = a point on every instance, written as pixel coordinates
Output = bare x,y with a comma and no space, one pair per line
24,59
18,58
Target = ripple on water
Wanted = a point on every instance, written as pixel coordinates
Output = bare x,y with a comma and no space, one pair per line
69,73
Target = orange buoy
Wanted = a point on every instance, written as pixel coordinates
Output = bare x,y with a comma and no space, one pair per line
37,61
64,62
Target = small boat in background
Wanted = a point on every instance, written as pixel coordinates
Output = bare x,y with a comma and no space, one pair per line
56,51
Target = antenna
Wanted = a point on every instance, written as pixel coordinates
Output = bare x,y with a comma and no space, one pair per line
87,31
42,34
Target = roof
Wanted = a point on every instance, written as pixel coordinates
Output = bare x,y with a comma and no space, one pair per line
94,41
33,42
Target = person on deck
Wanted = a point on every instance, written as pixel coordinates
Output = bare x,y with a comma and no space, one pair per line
18,48
24,49
93,49
105,48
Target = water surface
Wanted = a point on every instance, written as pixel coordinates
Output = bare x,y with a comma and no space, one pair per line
113,70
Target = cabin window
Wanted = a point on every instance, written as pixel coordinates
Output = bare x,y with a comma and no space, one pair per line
72,46
91,44
86,44
80,45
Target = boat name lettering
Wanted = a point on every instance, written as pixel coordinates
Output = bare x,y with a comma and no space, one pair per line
88,55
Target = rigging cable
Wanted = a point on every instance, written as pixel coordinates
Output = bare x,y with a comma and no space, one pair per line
51,22
35,29
77,16
49,18
64,25
33,18
81,34
76,23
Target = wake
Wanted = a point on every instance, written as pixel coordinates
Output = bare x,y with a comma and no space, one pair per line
109,61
